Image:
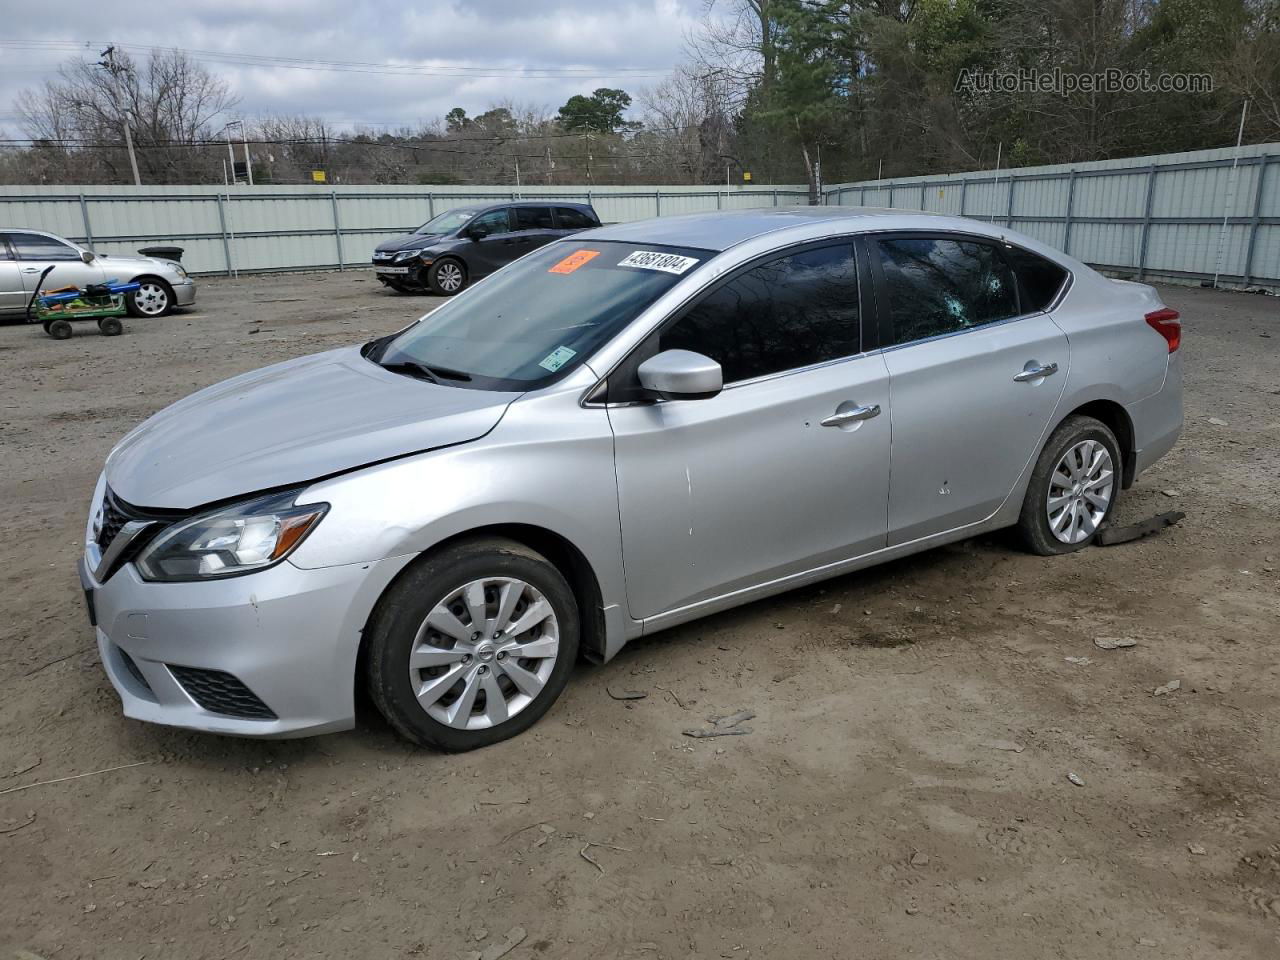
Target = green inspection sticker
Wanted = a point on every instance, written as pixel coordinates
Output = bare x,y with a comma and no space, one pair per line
557,358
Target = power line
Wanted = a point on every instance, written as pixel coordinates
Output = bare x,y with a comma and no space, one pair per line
352,66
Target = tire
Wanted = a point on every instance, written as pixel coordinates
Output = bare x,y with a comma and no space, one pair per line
421,702
59,329
447,277
153,299
111,326
1080,467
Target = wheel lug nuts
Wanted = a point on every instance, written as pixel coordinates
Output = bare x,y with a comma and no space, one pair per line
466,658
502,654
483,670
496,636
475,636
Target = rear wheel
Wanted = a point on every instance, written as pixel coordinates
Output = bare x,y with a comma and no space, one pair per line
59,329
472,645
446,277
154,298
1073,489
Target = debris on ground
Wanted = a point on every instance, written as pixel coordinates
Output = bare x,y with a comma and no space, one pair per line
1173,686
919,859
1171,493
625,694
1007,745
1110,536
495,951
1196,849
1076,779
723,726
1078,661
1114,643
1217,422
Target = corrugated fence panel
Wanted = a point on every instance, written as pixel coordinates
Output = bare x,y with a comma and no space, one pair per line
1185,216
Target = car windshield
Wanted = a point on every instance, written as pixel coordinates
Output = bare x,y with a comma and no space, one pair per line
538,317
447,222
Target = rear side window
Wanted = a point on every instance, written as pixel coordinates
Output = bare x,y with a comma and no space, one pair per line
4,249
936,285
532,218
32,246
1041,278
791,312
571,219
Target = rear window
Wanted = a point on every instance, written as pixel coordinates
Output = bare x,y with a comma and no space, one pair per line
571,219
1041,278
541,316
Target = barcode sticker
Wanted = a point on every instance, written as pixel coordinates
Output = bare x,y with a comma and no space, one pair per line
656,260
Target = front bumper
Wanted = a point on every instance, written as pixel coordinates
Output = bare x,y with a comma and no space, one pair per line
289,636
184,292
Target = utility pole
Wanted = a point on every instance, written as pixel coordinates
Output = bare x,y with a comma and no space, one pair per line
550,165
587,138
117,70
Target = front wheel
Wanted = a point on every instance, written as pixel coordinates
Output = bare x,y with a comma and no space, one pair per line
153,298
472,645
446,277
1073,488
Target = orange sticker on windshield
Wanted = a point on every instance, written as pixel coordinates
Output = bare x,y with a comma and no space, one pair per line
573,261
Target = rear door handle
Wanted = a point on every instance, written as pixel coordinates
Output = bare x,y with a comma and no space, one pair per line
1034,371
850,416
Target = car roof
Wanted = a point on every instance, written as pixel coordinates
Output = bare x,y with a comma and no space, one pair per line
722,230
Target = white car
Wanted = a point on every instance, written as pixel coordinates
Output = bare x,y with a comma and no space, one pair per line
25,254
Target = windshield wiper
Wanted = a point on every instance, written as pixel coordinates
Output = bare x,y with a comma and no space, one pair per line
420,370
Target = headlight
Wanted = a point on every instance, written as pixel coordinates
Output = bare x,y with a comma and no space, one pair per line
407,254
238,539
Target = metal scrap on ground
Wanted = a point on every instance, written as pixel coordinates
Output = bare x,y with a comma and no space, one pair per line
723,726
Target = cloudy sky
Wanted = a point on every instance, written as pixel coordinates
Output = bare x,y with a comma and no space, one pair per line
468,53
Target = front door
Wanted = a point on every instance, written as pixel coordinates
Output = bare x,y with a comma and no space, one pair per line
721,494
36,251
492,245
968,413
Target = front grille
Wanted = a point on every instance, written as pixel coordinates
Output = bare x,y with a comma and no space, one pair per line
220,692
113,518
382,257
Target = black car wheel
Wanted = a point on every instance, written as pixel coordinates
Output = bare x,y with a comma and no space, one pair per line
446,277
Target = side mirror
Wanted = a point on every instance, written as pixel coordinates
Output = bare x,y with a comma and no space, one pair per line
475,233
681,375
87,256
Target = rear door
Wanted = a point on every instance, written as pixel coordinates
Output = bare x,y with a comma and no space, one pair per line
36,251
777,474
534,226
974,377
13,296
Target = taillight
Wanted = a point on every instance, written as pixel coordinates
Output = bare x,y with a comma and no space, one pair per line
1165,322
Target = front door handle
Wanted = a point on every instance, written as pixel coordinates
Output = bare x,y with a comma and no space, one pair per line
30,269
1035,371
851,416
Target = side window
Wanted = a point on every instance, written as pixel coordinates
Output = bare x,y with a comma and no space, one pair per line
791,312
936,286
32,246
571,219
1041,278
4,249
495,221
532,218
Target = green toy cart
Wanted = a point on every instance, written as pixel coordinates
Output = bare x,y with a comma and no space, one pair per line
58,309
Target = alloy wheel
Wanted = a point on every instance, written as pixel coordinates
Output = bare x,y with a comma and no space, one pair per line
484,653
1081,488
449,276
151,299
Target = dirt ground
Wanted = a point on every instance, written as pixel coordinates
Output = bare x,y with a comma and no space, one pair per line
904,790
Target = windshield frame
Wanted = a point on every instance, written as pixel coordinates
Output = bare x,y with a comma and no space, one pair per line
376,351
474,211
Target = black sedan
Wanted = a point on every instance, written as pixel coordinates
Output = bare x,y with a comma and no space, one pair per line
464,244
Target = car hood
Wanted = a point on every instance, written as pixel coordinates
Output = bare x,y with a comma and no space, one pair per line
110,260
291,423
410,241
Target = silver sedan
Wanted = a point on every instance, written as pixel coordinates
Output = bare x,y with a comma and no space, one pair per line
620,432
25,254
